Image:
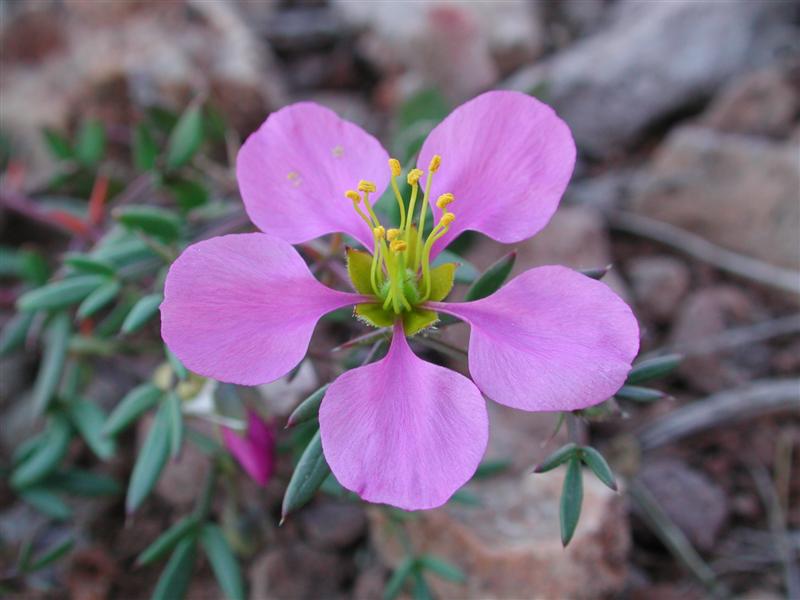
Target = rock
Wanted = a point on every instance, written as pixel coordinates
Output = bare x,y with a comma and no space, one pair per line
766,102
299,572
656,59
659,284
510,544
735,191
676,486
330,524
370,583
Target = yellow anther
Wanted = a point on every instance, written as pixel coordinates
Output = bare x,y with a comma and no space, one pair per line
398,246
394,165
353,195
366,186
378,232
446,219
393,234
435,162
413,176
445,200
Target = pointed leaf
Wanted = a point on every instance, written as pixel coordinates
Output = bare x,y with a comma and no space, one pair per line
83,483
186,526
188,194
145,150
571,500
89,264
398,579
639,394
142,311
176,364
60,294
311,471
654,368
153,220
52,365
308,409
490,468
422,590
185,138
46,456
99,299
57,144
150,462
134,404
442,568
88,419
90,143
175,423
46,502
560,456
15,331
223,562
50,555
175,578
597,273
597,463
491,280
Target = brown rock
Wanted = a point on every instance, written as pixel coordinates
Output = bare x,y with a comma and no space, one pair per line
330,524
735,191
659,284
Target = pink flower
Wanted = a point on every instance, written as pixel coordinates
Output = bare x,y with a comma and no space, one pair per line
255,452
402,431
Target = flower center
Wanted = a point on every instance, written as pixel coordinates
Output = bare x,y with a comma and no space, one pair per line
400,273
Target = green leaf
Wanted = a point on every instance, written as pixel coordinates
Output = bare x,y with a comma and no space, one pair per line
359,264
223,562
490,468
169,539
89,264
491,279
153,220
466,271
60,294
597,463
88,419
597,273
175,578
398,579
145,150
442,278
374,315
142,312
559,457
421,589
52,365
175,423
176,364
99,298
57,144
150,462
46,456
442,568
418,319
416,117
639,394
15,331
186,138
135,403
654,368
188,194
571,500
46,502
308,409
33,268
90,143
83,483
311,471
50,555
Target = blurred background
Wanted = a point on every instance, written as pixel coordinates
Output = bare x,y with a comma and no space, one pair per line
687,118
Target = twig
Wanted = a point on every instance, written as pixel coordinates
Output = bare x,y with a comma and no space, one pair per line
23,205
786,280
442,347
362,340
761,397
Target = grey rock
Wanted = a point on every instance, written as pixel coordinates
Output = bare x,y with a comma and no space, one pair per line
330,524
659,284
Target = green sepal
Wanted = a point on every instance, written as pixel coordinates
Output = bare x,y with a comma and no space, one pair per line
442,278
418,319
374,315
359,264
414,320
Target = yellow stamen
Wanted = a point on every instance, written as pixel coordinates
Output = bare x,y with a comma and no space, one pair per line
435,162
438,231
397,169
414,175
395,166
445,200
353,195
366,186
392,234
398,246
446,219
423,210
379,232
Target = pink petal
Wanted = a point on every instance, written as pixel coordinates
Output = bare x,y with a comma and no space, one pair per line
242,308
293,173
507,158
255,452
403,431
550,340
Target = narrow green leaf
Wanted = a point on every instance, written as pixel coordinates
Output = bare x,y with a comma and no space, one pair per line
311,471
15,331
176,364
57,144
466,271
168,540
131,407
398,579
186,138
175,423
50,555
597,273
47,455
491,279
52,365
308,409
90,143
489,468
47,502
150,462
422,590
639,394
145,150
571,500
188,194
99,298
60,294
153,220
597,463
223,562
175,578
83,483
560,456
34,268
142,312
89,264
88,419
442,568
654,368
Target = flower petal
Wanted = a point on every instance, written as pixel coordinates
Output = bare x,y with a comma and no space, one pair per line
242,308
550,340
294,170
403,431
507,158
256,451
